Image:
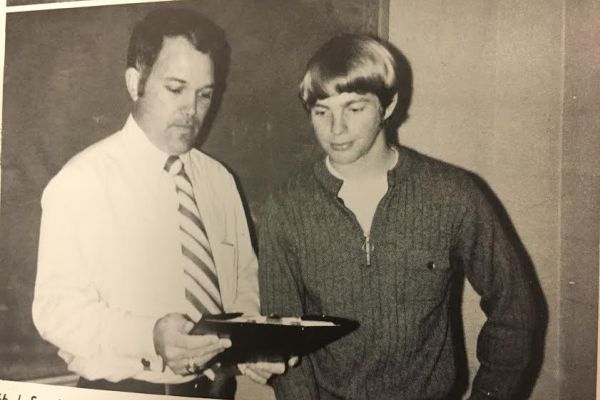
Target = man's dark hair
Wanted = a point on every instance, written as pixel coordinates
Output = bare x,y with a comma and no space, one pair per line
147,40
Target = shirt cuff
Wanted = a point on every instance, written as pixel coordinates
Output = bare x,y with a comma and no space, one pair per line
133,336
156,364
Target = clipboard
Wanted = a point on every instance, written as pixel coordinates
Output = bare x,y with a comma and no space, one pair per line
272,338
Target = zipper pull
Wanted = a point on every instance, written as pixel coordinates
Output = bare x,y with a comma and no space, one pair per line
368,248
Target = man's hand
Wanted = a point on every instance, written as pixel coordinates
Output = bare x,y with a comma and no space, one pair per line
178,349
261,371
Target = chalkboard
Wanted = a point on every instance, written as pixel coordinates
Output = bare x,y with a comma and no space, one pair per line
64,89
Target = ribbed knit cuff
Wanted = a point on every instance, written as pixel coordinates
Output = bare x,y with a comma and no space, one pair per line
478,394
495,384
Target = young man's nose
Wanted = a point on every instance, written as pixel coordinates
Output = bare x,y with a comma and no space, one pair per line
338,124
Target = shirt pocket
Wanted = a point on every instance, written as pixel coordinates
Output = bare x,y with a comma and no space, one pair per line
427,275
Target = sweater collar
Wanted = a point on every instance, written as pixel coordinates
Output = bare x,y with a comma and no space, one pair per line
395,175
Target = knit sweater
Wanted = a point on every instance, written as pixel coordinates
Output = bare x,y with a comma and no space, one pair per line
433,225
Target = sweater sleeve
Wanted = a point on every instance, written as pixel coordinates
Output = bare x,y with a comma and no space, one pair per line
282,293
498,269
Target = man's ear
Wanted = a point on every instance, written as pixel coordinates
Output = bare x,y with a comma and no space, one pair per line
391,107
132,80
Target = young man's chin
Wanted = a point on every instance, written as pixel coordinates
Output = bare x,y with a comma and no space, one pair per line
342,159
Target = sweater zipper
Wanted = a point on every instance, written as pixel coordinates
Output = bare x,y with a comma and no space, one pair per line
367,247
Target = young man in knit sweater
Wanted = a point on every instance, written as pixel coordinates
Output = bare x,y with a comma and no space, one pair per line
379,233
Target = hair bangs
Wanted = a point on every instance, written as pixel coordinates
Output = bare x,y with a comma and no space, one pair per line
349,63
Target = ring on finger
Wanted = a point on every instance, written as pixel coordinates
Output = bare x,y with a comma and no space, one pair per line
190,366
243,368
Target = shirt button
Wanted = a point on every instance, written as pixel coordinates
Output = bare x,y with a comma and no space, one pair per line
431,266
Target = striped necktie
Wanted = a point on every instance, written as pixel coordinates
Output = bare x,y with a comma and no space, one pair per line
200,275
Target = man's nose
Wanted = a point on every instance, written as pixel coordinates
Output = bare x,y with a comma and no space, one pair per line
189,106
338,123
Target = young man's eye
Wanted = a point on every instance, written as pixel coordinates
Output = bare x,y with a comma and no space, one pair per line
206,95
356,109
319,112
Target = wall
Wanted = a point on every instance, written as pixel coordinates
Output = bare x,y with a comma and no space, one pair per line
488,97
580,193
505,88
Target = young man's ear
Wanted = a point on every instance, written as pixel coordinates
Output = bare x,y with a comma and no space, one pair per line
132,80
391,107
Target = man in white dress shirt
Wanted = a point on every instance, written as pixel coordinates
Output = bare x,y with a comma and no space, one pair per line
114,291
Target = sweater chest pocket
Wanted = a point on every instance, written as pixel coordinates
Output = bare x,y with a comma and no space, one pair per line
426,275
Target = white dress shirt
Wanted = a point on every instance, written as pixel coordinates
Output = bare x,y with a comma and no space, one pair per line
109,254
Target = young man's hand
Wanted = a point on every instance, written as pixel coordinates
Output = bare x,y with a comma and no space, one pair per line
261,372
184,354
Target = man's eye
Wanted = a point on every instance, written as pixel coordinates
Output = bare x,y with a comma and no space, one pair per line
319,113
356,109
175,90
